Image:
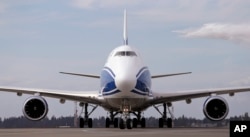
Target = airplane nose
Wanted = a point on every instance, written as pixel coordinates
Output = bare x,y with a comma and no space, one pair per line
125,83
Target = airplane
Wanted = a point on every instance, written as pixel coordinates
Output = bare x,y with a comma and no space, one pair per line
125,90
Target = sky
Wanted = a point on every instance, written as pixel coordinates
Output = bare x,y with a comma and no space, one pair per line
210,38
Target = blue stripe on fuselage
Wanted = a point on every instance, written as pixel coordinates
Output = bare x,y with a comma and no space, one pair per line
110,70
144,68
111,92
108,82
143,83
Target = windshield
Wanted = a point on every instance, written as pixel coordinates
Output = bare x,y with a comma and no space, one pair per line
125,53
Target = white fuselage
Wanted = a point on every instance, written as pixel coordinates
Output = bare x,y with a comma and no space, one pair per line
125,80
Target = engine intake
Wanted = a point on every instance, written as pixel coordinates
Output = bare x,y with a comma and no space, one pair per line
35,108
215,108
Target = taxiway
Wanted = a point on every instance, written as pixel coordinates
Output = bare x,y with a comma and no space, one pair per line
111,132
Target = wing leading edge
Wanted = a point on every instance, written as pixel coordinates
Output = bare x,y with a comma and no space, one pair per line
89,97
185,95
168,75
83,75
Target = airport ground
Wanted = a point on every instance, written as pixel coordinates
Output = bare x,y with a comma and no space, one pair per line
111,132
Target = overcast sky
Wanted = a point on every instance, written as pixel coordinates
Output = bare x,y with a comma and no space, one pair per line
40,38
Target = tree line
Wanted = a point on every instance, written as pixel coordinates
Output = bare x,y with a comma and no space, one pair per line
53,122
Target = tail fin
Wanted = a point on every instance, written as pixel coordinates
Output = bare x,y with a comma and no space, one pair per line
125,37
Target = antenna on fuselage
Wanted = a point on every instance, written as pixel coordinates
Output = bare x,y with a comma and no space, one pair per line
125,36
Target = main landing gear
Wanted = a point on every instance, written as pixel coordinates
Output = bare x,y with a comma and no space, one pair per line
139,120
164,120
112,120
125,120
86,120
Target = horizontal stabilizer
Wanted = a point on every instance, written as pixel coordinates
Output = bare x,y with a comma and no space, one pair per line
83,75
168,75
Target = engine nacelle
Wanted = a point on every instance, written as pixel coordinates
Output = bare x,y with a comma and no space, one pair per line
215,108
35,108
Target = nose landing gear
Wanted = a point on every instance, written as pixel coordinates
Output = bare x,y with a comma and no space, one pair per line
125,120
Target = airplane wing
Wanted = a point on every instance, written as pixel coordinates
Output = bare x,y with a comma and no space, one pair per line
82,75
187,95
89,97
168,75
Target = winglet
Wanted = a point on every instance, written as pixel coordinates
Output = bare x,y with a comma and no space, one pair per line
125,37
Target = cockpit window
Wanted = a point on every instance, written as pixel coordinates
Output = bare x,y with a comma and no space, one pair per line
125,53
130,53
120,53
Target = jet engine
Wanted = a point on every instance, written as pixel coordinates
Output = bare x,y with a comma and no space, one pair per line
215,108
35,108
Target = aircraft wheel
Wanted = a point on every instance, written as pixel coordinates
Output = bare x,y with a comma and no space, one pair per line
161,122
81,123
90,123
107,122
116,123
135,122
121,124
128,122
143,123
169,123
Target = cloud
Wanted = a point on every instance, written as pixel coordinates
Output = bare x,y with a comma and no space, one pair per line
241,82
232,32
84,4
94,4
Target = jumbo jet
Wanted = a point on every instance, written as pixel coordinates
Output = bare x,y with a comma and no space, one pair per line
125,92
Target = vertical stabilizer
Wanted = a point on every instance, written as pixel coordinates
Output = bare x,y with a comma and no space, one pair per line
125,37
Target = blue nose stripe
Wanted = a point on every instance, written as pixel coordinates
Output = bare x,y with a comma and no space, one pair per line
108,82
143,82
142,87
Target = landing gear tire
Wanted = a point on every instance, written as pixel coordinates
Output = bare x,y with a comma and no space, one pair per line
107,122
86,120
81,123
90,123
121,124
143,123
135,122
169,123
128,123
164,120
116,123
161,122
